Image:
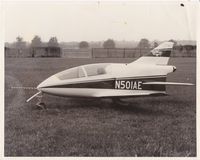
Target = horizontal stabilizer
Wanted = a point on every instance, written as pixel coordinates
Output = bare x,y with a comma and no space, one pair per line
170,83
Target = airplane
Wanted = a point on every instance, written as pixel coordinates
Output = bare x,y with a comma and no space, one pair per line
145,76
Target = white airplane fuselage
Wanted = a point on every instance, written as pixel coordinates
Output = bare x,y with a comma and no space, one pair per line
119,80
143,77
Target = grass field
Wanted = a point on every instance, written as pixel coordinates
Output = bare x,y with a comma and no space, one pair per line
158,126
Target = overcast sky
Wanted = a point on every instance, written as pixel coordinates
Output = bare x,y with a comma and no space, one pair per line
96,21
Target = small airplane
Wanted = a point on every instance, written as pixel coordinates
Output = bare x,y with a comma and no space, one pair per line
145,76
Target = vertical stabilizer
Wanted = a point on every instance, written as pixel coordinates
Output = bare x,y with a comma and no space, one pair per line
158,56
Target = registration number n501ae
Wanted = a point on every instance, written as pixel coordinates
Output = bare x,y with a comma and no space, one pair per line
128,84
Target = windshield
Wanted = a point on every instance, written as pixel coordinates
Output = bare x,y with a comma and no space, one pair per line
95,69
68,74
83,71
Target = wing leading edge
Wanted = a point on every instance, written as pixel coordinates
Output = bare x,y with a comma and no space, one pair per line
126,93
169,83
136,93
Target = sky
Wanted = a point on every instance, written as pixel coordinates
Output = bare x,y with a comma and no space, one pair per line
97,20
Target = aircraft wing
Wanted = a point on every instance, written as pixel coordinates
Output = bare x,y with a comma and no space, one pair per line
126,93
169,83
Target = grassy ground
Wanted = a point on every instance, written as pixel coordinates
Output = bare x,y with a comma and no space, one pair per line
158,126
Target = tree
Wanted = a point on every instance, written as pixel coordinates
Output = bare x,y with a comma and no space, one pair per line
109,43
19,39
83,44
36,41
53,42
155,44
175,42
20,43
144,43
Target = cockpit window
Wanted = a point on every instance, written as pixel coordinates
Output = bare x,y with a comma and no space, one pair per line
94,70
68,74
83,71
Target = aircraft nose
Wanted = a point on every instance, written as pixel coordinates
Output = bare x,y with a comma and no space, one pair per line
42,85
47,83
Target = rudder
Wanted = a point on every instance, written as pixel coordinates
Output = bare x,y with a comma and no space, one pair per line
158,56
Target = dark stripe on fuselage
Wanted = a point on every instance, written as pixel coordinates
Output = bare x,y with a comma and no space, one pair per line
111,84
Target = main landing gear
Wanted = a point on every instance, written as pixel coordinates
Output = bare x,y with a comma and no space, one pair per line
118,101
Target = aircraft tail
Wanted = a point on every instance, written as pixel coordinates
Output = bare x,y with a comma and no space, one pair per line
158,56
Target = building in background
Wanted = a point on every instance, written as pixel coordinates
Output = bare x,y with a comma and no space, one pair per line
45,51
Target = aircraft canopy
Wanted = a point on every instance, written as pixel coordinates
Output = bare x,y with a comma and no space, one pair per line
83,71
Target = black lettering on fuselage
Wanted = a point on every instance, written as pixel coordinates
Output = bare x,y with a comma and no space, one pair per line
128,84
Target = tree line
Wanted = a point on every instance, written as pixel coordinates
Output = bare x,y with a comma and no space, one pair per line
53,42
109,43
36,42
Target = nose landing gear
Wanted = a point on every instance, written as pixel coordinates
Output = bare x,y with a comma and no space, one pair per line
40,104
39,96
